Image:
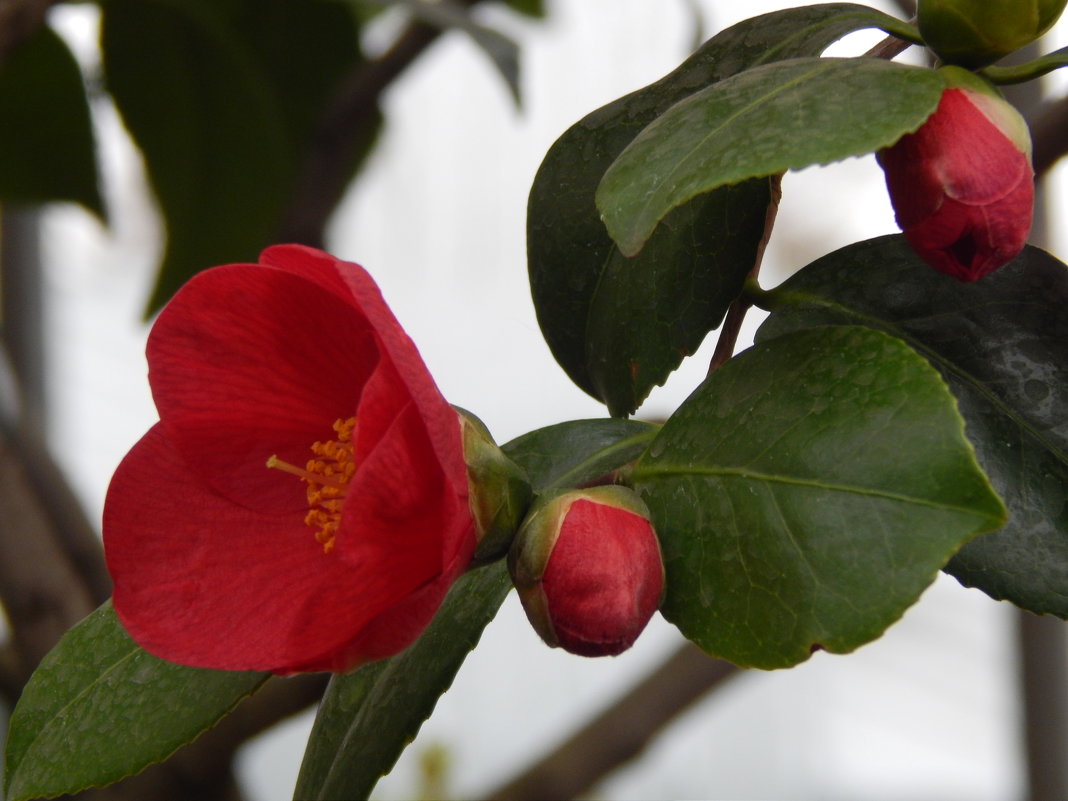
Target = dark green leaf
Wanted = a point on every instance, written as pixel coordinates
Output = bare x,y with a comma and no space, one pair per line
99,708
763,121
47,149
1000,344
212,134
529,8
619,326
223,100
808,492
573,453
367,717
303,50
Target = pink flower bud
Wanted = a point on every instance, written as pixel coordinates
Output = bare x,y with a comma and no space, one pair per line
962,185
588,570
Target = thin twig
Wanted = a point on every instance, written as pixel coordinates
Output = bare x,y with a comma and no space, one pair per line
1049,135
732,323
889,48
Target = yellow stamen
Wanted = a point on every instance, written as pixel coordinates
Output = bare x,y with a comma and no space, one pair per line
327,476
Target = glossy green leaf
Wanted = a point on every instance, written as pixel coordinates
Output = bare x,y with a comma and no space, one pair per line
574,453
212,135
367,717
808,492
98,708
763,121
619,326
47,148
1000,344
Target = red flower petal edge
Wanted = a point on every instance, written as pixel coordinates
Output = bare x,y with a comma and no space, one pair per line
219,561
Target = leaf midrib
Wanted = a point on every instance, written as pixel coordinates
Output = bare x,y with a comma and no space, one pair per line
648,472
49,723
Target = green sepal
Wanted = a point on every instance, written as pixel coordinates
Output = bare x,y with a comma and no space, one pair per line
500,491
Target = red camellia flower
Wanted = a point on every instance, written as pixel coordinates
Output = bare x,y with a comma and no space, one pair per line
588,570
302,504
962,185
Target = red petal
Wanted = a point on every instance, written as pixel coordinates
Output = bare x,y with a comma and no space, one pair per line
967,242
400,501
249,361
976,163
346,279
205,582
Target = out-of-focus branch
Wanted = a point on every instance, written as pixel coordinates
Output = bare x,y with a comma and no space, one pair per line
1044,697
1049,134
326,170
622,731
732,323
51,567
40,587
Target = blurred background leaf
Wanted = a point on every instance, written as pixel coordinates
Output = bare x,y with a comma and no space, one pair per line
47,146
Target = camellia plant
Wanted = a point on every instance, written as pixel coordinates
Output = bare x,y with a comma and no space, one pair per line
309,501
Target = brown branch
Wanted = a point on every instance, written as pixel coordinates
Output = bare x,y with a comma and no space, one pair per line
40,587
1049,135
622,731
889,48
1043,666
732,324
349,119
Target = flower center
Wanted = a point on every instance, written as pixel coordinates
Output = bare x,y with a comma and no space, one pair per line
327,475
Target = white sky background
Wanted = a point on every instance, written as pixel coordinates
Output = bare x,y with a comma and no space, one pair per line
928,712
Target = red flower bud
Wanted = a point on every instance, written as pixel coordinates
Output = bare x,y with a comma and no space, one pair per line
588,570
962,185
